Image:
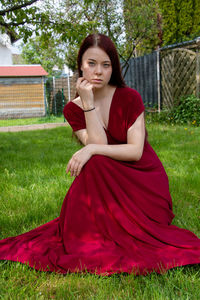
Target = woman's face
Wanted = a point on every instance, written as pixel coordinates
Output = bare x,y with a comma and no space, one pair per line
96,67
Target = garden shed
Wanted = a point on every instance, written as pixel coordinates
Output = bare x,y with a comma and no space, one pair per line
22,92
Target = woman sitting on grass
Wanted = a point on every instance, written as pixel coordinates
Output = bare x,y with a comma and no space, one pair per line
117,214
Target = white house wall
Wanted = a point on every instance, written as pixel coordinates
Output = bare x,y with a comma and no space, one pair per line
5,56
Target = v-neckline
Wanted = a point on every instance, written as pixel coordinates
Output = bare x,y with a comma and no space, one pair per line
110,108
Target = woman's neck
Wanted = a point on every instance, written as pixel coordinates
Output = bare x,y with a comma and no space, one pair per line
102,93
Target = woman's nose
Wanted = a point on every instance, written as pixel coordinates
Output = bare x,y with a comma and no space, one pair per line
98,69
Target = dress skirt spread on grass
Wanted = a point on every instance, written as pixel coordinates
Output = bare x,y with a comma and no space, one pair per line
116,216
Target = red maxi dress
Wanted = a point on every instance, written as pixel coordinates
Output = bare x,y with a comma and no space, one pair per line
116,216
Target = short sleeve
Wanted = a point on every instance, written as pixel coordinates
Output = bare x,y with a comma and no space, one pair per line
74,116
135,107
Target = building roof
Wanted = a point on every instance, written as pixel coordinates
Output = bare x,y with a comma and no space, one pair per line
22,71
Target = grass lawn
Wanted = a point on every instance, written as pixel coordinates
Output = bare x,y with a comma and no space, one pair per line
33,184
30,121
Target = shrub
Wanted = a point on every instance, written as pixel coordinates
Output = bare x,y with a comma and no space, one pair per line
185,111
58,104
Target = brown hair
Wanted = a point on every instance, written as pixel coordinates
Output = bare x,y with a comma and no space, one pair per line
104,42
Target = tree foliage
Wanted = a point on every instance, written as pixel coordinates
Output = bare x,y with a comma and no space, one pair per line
18,16
141,27
84,17
35,52
61,26
128,23
102,16
55,29
133,25
22,18
181,20
44,27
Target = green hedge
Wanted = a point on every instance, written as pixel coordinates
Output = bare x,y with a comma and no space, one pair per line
185,111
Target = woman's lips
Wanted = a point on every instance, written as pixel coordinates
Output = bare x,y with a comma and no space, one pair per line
97,80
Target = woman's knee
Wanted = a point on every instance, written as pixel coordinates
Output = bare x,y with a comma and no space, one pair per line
98,160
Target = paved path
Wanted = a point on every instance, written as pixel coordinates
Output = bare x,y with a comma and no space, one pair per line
31,127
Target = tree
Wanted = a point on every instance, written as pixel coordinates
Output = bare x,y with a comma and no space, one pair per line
180,20
84,17
103,16
142,28
44,28
22,18
128,23
141,24
16,17
35,52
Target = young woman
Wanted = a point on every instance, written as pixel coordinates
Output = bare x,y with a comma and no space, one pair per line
117,214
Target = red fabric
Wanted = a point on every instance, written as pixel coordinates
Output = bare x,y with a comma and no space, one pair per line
116,215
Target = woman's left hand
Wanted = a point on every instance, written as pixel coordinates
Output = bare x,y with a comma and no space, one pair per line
79,159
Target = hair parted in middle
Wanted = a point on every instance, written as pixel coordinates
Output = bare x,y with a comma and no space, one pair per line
104,42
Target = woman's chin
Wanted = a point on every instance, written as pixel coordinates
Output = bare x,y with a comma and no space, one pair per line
96,86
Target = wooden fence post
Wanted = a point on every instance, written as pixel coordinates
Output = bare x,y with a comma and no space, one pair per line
158,80
198,75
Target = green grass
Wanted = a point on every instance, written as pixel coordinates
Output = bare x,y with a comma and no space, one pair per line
33,184
30,121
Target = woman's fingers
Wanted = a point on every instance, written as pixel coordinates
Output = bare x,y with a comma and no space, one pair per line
68,166
74,167
85,91
79,169
78,160
80,79
82,83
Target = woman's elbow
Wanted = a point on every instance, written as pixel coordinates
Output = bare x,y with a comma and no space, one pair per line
138,154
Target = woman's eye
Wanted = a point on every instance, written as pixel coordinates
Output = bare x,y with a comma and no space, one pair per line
90,63
106,65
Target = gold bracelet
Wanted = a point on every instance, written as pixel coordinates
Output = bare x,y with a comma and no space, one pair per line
89,109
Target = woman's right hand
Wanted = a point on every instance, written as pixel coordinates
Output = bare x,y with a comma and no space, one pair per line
79,159
84,89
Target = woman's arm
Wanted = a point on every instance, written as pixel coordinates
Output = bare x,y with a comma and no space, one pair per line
132,151
94,132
